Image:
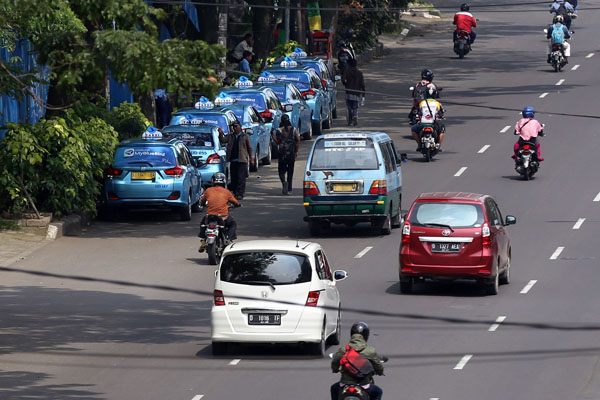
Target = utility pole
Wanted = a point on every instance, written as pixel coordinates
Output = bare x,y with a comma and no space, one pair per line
287,21
222,35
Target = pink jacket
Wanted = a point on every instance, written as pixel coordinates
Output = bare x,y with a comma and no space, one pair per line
528,128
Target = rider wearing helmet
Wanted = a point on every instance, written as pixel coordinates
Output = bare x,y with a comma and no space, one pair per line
564,9
430,112
217,199
419,92
528,130
464,21
559,36
358,341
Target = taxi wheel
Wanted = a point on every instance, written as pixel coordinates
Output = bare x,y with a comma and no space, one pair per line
309,134
397,220
316,128
185,212
267,159
254,167
328,122
334,113
385,225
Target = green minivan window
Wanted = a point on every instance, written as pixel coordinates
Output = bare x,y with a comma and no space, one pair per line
344,154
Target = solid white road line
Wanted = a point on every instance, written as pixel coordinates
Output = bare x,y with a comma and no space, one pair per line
198,397
557,252
235,361
484,148
543,95
575,67
597,198
528,286
463,361
507,127
578,223
460,171
499,320
590,55
363,252
560,82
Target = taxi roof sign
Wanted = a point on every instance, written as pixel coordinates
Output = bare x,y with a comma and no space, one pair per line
298,52
152,133
266,76
344,135
243,82
288,62
224,99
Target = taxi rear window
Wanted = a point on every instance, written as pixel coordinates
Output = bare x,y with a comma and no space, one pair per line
298,78
257,100
344,153
203,139
201,118
150,156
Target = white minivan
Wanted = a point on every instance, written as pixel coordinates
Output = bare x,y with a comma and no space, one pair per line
275,291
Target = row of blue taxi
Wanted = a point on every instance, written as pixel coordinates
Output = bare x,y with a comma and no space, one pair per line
171,168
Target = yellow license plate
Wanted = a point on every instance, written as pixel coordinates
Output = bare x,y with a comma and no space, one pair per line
142,176
344,187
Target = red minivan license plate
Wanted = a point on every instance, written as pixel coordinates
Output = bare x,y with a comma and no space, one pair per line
445,247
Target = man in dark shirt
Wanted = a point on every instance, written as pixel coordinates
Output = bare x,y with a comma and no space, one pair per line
239,153
354,82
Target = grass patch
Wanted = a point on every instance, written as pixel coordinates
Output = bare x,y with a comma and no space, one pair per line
8,225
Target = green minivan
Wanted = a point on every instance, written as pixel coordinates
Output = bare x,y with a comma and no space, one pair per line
352,177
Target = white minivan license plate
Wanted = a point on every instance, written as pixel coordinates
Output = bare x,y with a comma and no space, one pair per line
445,247
264,319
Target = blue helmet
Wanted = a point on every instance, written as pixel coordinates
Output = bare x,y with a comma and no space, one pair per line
528,112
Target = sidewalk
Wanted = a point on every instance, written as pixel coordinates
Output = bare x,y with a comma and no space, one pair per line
16,245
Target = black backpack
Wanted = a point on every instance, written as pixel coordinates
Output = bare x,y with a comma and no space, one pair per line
287,143
562,10
421,92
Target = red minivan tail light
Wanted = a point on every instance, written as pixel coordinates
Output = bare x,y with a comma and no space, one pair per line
213,159
406,233
177,172
378,187
310,188
219,298
313,298
486,238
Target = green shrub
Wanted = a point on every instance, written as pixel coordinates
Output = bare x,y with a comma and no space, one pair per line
128,120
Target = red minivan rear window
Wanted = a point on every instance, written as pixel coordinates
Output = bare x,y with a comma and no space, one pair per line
456,215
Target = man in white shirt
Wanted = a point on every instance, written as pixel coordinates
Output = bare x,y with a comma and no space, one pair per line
244,45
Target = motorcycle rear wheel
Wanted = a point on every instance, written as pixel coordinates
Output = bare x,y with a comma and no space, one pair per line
428,155
526,174
212,249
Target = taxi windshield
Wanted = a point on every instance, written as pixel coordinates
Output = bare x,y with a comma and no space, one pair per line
299,78
344,153
149,156
202,139
212,119
257,100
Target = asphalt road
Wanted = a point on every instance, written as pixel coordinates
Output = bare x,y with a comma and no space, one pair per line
64,339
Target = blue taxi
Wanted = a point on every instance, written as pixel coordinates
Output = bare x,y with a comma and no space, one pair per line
205,112
353,177
311,87
203,142
293,103
154,172
260,136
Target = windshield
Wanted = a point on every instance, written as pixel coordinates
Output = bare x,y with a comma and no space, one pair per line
203,139
455,215
333,154
257,100
315,65
276,268
153,156
212,119
299,78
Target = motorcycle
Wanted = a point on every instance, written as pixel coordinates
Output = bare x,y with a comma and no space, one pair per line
429,145
557,57
462,44
526,163
345,50
353,391
413,116
216,237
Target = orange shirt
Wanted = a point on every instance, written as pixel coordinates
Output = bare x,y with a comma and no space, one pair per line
217,198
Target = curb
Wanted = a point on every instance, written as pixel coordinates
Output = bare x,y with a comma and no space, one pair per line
70,225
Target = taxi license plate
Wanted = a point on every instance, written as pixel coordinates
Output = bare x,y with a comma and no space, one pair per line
264,319
445,247
344,187
142,176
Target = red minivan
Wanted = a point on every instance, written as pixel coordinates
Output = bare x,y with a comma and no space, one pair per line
455,235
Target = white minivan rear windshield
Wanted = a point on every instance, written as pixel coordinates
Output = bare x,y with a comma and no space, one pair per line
344,153
274,268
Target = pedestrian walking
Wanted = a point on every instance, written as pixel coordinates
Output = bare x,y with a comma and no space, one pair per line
288,144
354,82
239,154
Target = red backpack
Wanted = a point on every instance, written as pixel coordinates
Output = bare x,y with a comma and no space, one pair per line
353,363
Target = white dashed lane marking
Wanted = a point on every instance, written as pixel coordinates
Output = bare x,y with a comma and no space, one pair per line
198,397
528,286
460,171
507,127
484,148
578,224
575,67
543,95
463,361
557,252
590,55
597,198
363,252
560,82
499,320
235,361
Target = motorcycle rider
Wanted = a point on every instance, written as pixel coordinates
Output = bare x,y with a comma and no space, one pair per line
358,341
419,92
464,21
528,130
557,33
430,111
564,9
217,199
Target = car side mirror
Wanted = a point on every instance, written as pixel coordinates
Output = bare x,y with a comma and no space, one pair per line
216,273
510,220
337,78
288,107
197,162
340,275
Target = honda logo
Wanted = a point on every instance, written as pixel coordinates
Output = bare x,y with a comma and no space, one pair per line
264,294
446,232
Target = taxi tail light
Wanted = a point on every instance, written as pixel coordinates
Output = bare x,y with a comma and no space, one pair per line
406,233
310,188
213,159
113,196
324,82
266,114
486,237
113,171
219,298
176,172
378,187
174,195
310,92
313,298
